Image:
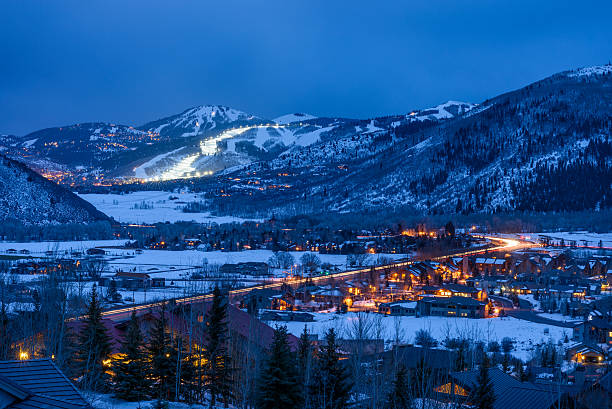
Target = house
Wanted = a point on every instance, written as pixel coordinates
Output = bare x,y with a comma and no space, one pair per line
527,265
249,268
458,290
263,299
598,330
509,392
487,282
453,307
37,384
490,266
158,282
585,354
398,308
96,251
133,280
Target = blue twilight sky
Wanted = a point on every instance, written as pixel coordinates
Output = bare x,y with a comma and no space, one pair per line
131,61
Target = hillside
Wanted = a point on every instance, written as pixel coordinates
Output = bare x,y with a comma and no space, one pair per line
545,147
31,199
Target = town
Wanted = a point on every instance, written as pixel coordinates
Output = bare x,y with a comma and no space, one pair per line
384,307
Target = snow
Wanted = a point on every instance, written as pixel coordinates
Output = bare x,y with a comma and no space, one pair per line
312,137
107,401
442,111
372,128
29,143
588,71
290,118
526,334
37,249
577,236
127,208
187,259
140,171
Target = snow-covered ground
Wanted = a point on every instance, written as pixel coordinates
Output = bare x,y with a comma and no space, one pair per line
107,401
38,249
579,237
526,334
152,207
179,260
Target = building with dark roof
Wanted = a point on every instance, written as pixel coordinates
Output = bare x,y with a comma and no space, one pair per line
453,307
509,392
37,384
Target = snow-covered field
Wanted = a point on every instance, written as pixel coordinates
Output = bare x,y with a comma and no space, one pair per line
526,334
579,237
153,207
38,249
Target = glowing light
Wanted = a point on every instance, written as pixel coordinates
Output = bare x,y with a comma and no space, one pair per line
23,355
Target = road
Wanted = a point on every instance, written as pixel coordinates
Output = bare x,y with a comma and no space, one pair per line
503,244
525,312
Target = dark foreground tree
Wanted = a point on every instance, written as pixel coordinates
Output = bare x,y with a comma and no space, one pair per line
130,369
279,386
484,396
399,394
331,384
163,358
304,363
92,355
218,362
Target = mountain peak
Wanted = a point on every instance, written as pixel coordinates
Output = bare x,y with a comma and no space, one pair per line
196,120
291,118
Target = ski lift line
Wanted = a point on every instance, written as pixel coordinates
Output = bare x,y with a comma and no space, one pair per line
507,244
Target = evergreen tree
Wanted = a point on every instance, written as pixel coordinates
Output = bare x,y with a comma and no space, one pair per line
304,353
484,396
5,334
398,396
130,369
332,385
92,355
162,366
279,386
218,362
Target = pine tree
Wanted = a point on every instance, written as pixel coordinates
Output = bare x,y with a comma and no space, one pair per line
484,396
5,334
130,369
398,396
162,366
332,385
279,386
92,355
218,362
304,353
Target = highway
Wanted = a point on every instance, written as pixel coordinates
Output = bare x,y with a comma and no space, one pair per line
502,244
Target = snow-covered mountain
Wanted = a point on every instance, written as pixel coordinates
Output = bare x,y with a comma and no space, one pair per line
29,198
447,110
197,120
545,147
291,118
530,149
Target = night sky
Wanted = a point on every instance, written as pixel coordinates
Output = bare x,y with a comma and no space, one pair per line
129,62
